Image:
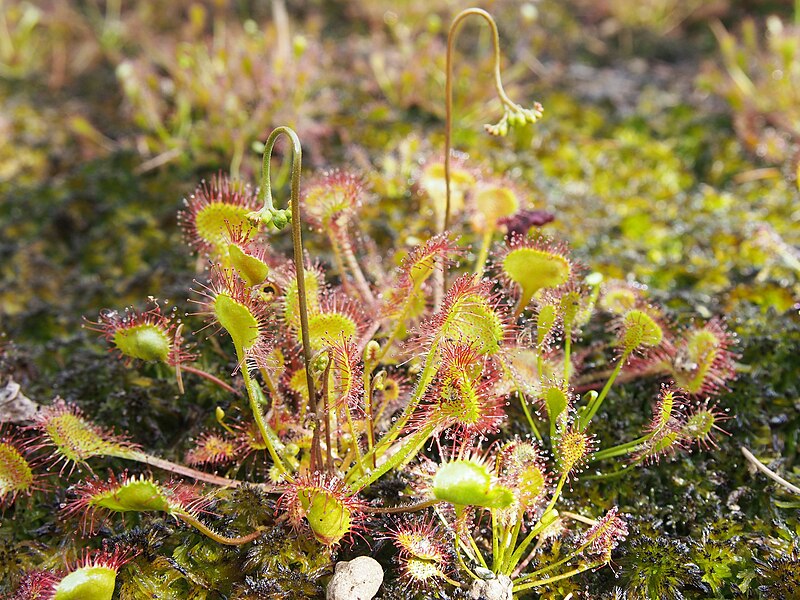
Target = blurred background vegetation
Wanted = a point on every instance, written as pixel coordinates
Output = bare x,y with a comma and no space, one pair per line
669,153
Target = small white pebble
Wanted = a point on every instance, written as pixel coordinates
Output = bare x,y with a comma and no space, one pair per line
358,579
499,588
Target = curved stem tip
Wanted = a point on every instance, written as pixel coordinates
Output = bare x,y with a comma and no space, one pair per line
279,218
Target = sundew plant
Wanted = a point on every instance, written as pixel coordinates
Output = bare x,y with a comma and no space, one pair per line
454,373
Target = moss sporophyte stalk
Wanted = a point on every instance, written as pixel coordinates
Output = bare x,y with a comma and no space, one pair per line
344,375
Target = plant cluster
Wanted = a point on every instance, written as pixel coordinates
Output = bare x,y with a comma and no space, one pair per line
344,375
327,370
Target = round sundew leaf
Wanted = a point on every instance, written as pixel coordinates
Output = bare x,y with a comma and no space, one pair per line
87,583
329,326
466,483
702,349
214,221
420,544
237,320
619,300
530,484
556,402
472,320
699,425
420,571
493,203
145,342
328,517
461,403
251,269
534,269
136,495
324,204
15,473
640,330
390,389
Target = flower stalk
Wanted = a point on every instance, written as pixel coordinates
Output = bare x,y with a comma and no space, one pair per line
269,214
513,113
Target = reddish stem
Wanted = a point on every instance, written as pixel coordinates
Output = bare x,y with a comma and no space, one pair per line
595,381
178,469
211,378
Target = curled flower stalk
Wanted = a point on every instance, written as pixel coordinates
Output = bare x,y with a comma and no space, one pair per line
268,214
513,113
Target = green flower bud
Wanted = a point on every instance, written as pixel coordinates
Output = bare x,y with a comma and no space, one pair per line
281,218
